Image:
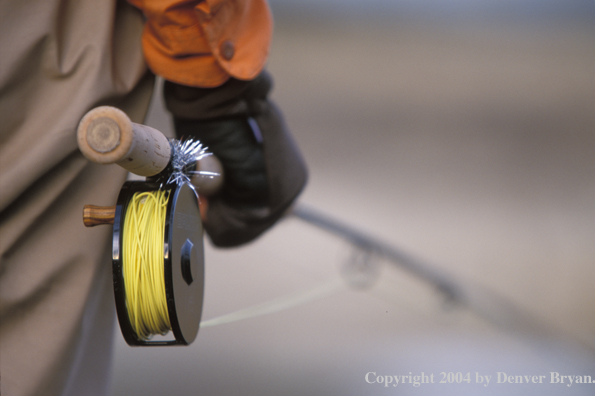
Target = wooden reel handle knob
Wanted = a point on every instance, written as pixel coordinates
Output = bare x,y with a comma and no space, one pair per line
106,135
98,215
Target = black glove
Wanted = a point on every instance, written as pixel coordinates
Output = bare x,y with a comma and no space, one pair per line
264,171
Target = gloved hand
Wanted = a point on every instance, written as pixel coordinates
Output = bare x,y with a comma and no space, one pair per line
264,171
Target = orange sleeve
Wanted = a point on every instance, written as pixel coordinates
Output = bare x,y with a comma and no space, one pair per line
202,43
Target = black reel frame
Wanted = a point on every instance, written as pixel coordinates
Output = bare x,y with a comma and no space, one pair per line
183,258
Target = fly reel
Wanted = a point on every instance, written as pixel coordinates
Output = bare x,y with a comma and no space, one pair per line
157,239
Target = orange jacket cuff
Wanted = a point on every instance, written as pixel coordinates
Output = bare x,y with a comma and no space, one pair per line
203,43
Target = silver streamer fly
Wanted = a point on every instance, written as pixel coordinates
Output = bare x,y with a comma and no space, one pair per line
185,155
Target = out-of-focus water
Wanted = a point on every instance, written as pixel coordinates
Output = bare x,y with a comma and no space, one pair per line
446,8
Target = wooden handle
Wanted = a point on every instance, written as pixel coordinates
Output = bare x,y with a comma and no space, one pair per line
106,136
97,215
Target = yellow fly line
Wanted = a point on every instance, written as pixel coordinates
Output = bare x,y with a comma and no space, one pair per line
143,263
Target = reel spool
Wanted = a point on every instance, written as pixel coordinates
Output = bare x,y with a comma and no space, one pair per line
183,262
106,135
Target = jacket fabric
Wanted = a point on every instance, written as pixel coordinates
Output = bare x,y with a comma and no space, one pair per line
202,43
56,302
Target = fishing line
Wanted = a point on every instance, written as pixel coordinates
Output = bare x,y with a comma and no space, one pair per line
143,263
280,304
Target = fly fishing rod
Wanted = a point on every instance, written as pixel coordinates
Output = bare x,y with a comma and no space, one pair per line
157,237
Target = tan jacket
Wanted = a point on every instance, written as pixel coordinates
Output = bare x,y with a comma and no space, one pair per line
58,60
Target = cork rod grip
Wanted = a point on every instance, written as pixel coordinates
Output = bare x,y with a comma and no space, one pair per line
106,135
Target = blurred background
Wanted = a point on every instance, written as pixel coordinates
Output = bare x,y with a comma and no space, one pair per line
461,132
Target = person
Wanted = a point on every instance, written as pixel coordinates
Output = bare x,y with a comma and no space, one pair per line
59,61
